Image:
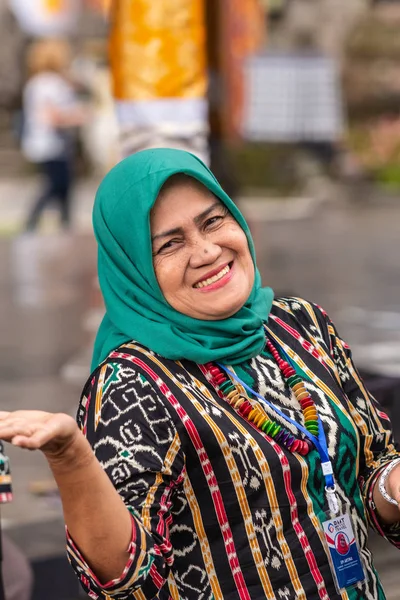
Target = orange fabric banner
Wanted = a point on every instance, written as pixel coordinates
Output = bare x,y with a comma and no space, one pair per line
157,49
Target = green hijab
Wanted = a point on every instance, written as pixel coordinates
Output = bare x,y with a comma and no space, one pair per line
135,306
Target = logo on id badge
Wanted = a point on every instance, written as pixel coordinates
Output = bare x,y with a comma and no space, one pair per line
344,551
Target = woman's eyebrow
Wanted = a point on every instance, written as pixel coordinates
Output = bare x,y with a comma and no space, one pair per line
167,233
197,220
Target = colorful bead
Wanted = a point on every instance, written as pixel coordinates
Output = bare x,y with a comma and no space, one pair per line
264,426
293,380
299,387
295,446
310,413
256,416
303,449
270,428
252,414
306,403
276,429
226,386
260,420
246,409
238,403
288,371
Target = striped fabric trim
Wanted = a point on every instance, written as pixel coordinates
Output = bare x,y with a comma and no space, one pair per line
208,472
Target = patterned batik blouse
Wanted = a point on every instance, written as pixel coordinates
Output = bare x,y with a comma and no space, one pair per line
219,509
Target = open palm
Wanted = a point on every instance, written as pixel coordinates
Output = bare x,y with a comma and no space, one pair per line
38,430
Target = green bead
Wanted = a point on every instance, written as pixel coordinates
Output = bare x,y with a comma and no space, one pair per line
312,424
293,380
265,425
275,430
227,386
271,425
313,430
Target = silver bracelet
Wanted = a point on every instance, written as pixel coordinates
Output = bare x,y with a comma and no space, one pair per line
382,480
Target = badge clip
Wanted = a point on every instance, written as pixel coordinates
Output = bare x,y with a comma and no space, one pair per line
332,498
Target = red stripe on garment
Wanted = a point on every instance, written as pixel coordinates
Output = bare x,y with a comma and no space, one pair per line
211,480
304,343
308,553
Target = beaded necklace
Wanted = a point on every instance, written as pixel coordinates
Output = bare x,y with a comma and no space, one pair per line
228,391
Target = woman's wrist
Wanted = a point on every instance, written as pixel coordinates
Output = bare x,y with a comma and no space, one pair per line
390,482
387,486
74,457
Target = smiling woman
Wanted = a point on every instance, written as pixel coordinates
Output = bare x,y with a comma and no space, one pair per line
227,447
201,255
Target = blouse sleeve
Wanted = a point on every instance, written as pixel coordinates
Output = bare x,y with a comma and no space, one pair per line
135,440
377,447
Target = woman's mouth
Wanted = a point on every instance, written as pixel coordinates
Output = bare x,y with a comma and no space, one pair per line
217,280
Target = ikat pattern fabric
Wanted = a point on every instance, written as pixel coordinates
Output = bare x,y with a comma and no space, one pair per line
220,510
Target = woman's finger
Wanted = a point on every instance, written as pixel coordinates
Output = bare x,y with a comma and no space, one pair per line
10,430
34,442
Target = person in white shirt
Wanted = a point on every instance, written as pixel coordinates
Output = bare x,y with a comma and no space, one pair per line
51,112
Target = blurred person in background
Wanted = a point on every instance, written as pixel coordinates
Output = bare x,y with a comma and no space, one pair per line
51,113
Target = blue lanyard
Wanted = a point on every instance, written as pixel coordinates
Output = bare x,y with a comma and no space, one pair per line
319,442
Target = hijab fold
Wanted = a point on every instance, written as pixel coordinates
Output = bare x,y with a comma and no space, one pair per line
135,306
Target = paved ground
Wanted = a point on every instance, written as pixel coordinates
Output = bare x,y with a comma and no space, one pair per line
344,256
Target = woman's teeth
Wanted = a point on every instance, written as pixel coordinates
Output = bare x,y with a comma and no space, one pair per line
213,279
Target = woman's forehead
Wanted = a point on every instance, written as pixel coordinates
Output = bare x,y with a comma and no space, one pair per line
179,183
183,200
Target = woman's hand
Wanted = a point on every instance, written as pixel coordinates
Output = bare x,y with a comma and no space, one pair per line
52,433
96,516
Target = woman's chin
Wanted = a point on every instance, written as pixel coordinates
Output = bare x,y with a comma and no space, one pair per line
218,313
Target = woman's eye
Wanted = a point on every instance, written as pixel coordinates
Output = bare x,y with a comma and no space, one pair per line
213,220
167,246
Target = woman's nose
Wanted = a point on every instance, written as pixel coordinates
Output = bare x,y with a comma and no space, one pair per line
204,252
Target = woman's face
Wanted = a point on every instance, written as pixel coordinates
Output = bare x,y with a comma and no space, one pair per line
200,254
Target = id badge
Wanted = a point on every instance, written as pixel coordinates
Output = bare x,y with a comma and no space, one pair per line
345,557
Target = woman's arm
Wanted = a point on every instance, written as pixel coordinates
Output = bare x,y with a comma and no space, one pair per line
118,473
377,447
96,516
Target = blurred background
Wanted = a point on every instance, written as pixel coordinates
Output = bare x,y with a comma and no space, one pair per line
295,104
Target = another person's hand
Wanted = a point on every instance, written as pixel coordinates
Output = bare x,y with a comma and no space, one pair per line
52,433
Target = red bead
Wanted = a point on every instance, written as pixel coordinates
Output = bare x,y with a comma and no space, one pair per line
214,371
303,448
289,372
246,409
306,403
219,378
295,446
